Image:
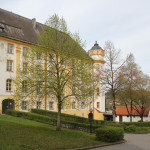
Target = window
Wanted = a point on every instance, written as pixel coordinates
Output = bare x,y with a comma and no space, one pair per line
38,55
63,105
51,57
97,104
38,87
24,105
73,89
9,65
38,105
51,105
90,105
25,52
97,67
38,69
24,86
25,67
8,85
82,114
1,29
82,105
73,105
10,48
97,91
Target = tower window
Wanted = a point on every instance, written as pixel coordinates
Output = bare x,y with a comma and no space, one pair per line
97,91
97,104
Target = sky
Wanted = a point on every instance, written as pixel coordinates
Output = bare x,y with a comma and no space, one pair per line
126,23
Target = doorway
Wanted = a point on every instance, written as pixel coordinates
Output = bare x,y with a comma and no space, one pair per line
7,104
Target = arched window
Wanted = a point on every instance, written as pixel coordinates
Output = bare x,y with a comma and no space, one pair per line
8,85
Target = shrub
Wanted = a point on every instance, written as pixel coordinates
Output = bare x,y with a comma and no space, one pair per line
66,117
130,128
138,124
52,121
109,134
142,130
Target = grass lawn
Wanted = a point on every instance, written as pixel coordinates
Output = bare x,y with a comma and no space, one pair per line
21,134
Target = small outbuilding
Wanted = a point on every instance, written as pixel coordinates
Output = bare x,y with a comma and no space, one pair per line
122,114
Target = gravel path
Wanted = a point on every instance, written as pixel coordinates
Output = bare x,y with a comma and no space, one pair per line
134,142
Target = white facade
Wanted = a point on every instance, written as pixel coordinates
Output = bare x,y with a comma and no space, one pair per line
134,118
97,54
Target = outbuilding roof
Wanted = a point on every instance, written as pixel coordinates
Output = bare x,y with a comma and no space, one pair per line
122,110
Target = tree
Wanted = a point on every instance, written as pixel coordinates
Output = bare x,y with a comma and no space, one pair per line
111,75
142,96
130,82
58,67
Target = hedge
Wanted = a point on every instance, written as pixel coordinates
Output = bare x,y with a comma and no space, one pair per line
109,134
138,124
66,117
130,128
53,121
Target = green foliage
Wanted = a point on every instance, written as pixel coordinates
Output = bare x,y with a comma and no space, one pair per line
52,121
138,124
109,134
135,129
22,134
67,117
130,128
115,124
142,130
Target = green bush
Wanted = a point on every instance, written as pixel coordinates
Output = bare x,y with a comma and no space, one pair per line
66,117
130,128
109,134
52,121
142,130
138,124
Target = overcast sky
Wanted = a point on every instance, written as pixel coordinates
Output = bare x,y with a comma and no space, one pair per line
124,22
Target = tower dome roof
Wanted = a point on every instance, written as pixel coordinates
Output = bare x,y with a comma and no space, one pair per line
96,46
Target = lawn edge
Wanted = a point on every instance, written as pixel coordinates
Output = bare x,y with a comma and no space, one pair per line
91,147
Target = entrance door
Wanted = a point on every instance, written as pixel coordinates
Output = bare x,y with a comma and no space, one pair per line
7,104
120,118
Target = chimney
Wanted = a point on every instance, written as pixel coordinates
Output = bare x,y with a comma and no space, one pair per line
34,22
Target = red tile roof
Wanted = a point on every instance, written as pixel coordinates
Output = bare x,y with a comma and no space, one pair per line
122,110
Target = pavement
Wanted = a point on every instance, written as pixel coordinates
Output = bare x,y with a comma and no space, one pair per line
134,142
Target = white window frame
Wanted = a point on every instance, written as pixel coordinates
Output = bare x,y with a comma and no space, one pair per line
8,85
9,65
10,48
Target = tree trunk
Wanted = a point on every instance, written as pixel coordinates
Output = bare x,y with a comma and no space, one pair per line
131,112
141,118
114,108
58,128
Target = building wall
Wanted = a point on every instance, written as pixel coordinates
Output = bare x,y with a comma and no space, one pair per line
18,60
134,118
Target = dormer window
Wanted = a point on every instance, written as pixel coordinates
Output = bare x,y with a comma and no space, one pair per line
1,29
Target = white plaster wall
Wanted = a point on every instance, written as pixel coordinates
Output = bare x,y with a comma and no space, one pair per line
97,57
4,75
134,119
149,116
100,98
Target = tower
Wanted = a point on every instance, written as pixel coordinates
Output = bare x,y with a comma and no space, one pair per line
97,54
